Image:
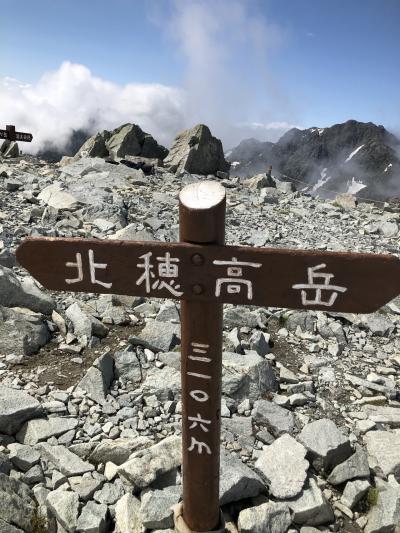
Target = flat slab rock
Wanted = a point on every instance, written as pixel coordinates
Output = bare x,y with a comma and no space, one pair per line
311,508
65,461
384,517
277,419
41,429
145,466
16,407
237,480
270,517
383,451
326,444
284,466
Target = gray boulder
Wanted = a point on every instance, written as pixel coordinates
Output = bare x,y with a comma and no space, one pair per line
118,450
63,460
97,380
384,451
16,407
269,517
95,146
40,429
384,517
284,466
277,419
326,444
14,293
22,332
356,466
311,508
158,336
17,505
196,151
64,505
156,507
127,515
9,149
145,466
237,480
93,518
246,376
127,366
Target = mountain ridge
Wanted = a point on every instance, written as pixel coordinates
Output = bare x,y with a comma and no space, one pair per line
335,158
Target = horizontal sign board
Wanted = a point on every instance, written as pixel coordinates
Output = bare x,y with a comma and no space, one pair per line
271,277
19,136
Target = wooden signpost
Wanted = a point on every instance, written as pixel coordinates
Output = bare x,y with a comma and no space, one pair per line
12,135
204,273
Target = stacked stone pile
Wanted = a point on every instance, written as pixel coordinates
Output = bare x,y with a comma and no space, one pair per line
311,400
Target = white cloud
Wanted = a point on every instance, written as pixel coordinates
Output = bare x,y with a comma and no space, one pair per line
71,98
227,84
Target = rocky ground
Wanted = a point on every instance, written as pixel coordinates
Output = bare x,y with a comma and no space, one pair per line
90,411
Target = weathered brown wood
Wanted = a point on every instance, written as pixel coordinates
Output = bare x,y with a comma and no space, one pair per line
370,280
201,363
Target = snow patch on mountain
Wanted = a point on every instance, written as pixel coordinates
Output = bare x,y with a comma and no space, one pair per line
323,179
354,186
387,168
354,153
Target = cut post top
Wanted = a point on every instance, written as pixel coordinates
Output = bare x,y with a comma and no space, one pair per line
202,195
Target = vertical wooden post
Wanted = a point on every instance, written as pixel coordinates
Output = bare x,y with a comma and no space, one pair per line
201,221
11,132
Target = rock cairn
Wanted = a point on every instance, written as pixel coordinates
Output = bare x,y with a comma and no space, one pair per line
90,411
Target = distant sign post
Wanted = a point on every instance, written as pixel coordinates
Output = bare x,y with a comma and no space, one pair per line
204,273
12,135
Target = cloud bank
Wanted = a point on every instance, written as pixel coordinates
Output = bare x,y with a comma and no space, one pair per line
226,83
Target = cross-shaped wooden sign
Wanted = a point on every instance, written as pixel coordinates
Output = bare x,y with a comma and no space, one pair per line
204,273
12,135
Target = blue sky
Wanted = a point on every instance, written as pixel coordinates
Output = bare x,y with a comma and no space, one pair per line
245,67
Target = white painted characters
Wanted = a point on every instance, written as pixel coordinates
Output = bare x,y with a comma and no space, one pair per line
235,280
92,268
167,268
318,287
199,353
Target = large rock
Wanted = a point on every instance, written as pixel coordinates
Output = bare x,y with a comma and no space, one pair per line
127,366
14,293
55,196
246,376
63,460
93,518
64,506
356,466
270,517
145,466
384,516
9,149
326,444
158,336
196,151
16,407
22,332
85,325
156,507
164,383
311,507
40,429
97,380
277,419
384,451
284,466
130,139
119,450
16,505
237,480
95,146
127,515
